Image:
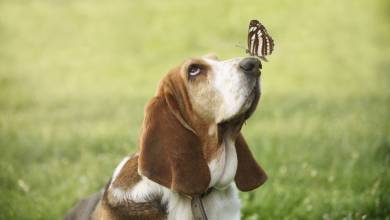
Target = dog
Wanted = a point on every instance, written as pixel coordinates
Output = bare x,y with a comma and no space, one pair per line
191,148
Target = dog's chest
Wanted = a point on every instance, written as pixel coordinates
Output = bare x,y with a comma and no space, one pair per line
223,168
223,201
219,204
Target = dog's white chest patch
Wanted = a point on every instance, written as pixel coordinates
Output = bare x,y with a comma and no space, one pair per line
223,168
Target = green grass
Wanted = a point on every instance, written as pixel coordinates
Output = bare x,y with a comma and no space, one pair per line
75,76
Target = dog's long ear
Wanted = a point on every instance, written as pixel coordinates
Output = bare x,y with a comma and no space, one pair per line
171,153
249,174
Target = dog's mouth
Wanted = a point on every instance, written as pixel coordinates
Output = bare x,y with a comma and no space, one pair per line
253,95
251,101
248,107
234,124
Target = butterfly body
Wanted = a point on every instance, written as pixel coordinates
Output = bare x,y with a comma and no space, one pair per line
260,43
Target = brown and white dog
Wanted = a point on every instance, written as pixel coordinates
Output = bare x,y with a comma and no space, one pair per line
190,145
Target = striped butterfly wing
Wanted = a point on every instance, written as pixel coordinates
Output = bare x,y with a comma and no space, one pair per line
259,42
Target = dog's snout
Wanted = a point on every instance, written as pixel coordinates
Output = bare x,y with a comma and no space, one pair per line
250,65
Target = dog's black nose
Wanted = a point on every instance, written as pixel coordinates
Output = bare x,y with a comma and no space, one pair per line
251,66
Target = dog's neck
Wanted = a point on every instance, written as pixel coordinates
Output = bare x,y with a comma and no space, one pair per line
224,166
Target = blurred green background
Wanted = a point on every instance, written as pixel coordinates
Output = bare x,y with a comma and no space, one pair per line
75,76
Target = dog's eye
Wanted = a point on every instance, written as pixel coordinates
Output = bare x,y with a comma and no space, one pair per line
194,70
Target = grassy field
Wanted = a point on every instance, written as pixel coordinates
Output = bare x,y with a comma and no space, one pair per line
75,76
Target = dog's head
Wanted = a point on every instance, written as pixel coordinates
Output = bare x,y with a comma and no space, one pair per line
222,90
198,104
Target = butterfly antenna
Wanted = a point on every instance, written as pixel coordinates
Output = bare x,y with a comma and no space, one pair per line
239,45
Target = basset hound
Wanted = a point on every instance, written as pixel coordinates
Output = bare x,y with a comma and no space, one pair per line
190,147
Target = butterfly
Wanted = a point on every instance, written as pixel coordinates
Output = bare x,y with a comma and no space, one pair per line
260,44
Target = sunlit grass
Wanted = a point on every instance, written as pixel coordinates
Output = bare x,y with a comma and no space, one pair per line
75,76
